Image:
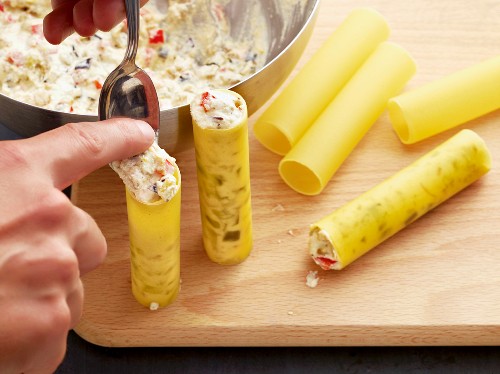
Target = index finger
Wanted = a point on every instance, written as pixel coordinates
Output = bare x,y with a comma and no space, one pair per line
74,150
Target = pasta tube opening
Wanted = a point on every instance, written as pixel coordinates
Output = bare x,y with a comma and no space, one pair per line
399,121
300,177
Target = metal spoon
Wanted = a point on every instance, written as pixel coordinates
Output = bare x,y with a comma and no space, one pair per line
128,91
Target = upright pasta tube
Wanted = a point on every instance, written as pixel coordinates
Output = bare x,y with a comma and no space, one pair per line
222,158
153,195
355,228
154,234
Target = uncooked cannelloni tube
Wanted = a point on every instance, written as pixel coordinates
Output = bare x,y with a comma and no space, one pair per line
355,228
311,163
446,102
222,159
153,195
320,80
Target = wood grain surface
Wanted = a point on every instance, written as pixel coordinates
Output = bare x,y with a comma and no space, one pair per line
435,283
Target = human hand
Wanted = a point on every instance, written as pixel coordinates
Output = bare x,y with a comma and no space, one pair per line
47,243
83,16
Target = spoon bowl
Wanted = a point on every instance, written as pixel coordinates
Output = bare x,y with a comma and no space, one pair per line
129,91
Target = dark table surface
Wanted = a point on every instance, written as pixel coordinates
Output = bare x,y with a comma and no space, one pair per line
84,357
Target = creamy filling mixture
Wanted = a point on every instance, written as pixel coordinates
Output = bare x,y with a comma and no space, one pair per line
218,110
149,176
322,251
181,57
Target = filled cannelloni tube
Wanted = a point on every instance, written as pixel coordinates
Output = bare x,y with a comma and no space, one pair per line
153,194
355,228
222,159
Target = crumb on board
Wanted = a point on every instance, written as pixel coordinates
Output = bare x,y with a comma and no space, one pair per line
278,208
290,313
154,306
312,279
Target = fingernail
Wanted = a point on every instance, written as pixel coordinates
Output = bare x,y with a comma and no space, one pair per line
146,129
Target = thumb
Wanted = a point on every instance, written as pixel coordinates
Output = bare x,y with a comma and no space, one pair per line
72,151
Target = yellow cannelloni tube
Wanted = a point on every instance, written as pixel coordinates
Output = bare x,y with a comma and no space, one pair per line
154,234
446,102
319,81
153,193
355,228
223,169
311,163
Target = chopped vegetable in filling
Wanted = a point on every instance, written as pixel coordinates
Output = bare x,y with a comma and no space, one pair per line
322,250
218,110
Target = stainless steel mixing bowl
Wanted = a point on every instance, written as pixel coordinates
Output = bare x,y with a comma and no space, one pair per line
288,34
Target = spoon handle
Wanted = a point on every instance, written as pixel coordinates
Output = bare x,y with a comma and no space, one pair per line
132,9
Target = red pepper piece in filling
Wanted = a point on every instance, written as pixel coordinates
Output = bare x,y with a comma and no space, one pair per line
97,84
156,37
324,262
205,99
2,9
37,29
169,167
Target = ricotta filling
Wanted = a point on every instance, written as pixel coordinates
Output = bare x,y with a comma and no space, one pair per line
218,110
149,176
322,250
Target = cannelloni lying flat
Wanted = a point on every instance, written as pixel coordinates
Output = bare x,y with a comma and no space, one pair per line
355,228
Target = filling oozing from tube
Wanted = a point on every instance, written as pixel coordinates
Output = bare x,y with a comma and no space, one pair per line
218,110
322,251
149,176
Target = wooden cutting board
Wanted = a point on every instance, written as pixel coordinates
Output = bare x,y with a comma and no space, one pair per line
435,283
